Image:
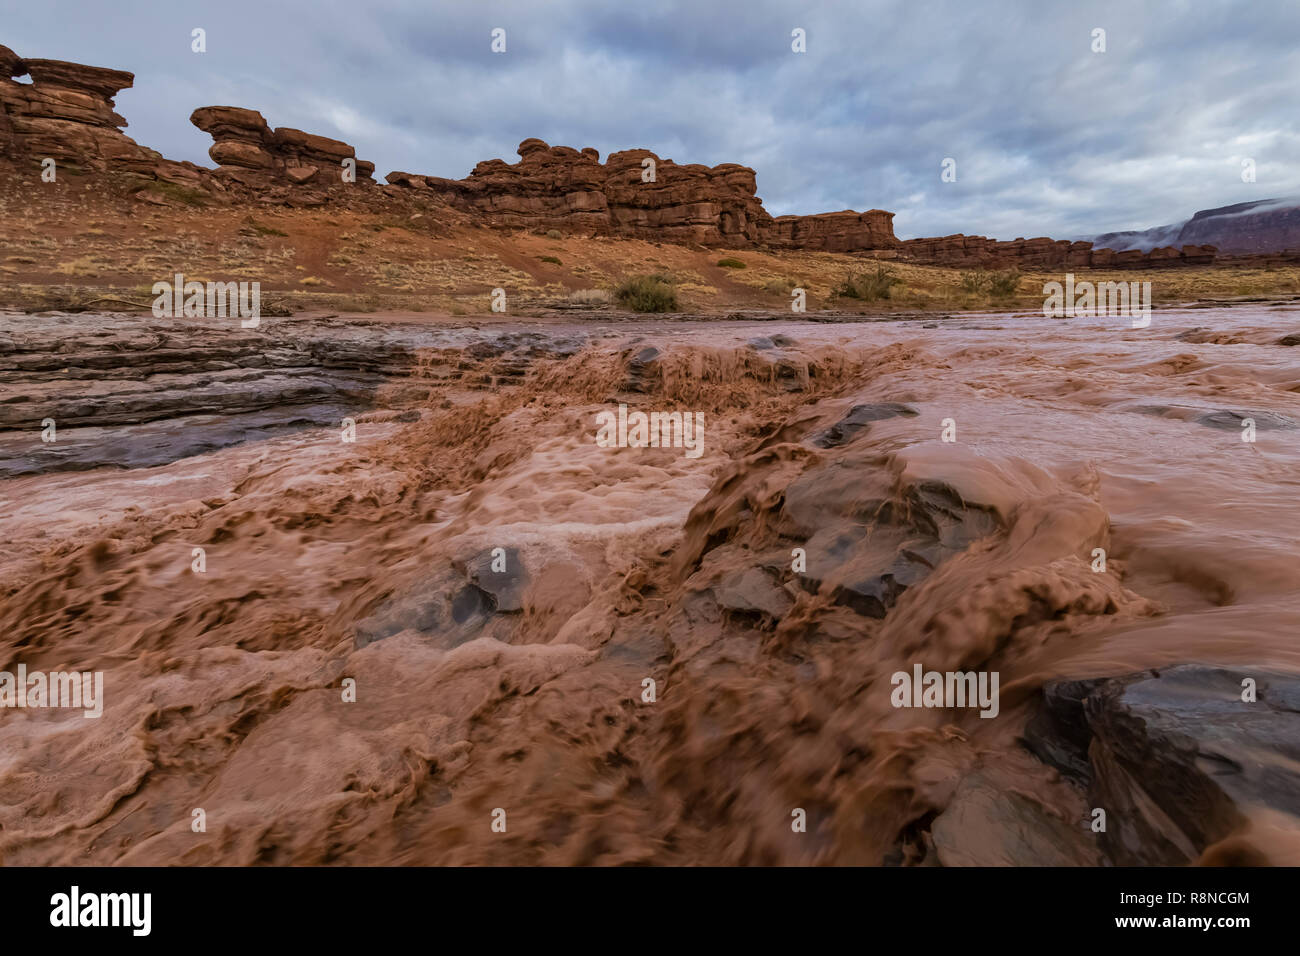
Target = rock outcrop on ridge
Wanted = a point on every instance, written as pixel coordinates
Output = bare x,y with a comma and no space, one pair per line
1179,758
637,194
1043,253
247,149
66,113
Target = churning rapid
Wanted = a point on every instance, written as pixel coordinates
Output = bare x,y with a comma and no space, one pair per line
478,635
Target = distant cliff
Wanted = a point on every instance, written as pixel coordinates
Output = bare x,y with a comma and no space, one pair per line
67,114
1246,228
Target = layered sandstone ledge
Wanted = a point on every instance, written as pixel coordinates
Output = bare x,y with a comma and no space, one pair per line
570,190
1044,253
67,114
247,149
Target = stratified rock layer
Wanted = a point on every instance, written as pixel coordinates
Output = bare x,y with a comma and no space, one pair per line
981,252
637,194
247,149
66,113
1179,759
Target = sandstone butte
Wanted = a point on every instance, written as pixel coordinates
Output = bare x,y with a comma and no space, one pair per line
66,113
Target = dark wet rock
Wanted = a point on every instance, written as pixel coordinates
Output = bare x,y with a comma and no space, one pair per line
414,612
641,368
139,391
835,493
869,571
503,589
1176,758
1159,411
441,607
875,591
987,825
641,649
1057,732
753,591
940,512
154,443
791,373
1264,421
858,418
1292,339
764,343
1225,419
869,541
471,602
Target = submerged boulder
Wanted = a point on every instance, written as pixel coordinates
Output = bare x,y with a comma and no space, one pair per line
1179,758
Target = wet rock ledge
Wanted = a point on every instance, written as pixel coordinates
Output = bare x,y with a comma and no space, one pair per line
1180,759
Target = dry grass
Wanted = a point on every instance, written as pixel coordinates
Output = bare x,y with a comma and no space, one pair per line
342,259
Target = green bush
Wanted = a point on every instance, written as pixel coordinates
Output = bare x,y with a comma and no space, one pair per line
589,297
975,282
551,259
647,294
257,228
869,286
730,263
1003,284
181,194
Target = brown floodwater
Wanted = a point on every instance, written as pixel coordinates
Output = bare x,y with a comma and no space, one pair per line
337,569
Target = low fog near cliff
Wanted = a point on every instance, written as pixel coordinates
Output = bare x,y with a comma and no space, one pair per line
1049,137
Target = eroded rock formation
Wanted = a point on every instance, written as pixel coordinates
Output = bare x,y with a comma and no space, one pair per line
570,190
1177,756
66,113
247,149
1043,253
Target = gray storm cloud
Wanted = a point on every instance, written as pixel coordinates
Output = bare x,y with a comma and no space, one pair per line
1049,137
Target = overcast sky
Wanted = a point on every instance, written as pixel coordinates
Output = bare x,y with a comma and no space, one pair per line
1049,137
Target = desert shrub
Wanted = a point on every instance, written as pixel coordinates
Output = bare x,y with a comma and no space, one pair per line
730,263
592,297
178,193
554,234
975,282
647,294
869,286
551,259
779,286
253,227
1004,283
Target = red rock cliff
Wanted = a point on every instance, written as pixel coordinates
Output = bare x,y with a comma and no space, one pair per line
557,187
247,149
981,252
66,113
